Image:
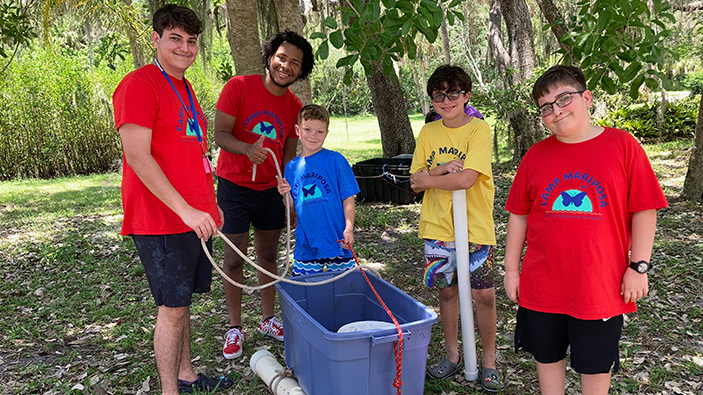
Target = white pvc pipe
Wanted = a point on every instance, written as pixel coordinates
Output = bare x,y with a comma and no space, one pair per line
265,365
463,272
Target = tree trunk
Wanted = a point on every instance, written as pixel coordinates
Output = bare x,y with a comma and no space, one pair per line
243,37
290,17
693,185
268,17
133,36
393,121
495,41
526,128
552,14
205,38
445,38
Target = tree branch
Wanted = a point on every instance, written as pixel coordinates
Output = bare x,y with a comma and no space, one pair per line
690,7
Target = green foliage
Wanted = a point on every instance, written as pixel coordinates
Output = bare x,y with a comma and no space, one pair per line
381,30
15,27
640,120
619,43
110,50
694,82
56,118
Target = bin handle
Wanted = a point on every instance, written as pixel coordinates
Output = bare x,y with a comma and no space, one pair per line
388,338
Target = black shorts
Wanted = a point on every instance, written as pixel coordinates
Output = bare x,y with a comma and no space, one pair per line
244,207
176,266
594,343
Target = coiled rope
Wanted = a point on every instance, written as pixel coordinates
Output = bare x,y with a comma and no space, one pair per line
275,276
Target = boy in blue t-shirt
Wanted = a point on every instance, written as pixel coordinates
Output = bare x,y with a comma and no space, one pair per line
322,186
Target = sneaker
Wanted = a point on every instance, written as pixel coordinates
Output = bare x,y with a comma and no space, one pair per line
233,343
273,327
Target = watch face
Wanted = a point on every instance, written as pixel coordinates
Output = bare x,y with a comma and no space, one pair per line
642,267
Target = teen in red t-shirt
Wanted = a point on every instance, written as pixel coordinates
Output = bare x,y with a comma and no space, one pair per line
585,203
167,191
255,112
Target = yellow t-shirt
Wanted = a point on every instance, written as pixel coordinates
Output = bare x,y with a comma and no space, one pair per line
471,143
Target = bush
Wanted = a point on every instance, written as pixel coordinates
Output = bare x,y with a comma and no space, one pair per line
56,118
641,120
694,82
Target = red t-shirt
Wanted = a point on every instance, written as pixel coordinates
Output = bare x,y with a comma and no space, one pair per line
258,112
579,199
145,98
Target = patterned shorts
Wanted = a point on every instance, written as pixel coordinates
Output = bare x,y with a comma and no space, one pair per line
335,264
440,264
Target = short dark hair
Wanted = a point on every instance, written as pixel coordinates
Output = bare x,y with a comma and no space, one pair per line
314,112
172,16
288,36
450,78
558,75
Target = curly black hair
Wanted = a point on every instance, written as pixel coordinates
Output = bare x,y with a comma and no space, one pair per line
171,16
288,36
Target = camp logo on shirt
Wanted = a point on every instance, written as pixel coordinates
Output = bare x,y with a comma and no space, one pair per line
574,193
265,123
190,130
309,192
265,129
311,186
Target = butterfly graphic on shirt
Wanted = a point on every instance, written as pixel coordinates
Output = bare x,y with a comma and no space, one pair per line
310,191
576,200
266,129
573,200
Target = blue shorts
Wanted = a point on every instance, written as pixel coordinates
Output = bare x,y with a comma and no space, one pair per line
440,264
244,207
176,267
594,343
336,264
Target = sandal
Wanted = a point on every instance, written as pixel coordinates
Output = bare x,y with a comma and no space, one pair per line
205,384
444,368
490,379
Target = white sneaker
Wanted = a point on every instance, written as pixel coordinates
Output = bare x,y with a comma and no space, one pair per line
233,343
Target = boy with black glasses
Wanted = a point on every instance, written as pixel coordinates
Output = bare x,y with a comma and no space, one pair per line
454,153
585,203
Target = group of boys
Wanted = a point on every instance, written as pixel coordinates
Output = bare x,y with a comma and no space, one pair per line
584,200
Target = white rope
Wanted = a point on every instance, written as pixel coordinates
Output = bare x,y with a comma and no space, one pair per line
280,375
275,276
287,265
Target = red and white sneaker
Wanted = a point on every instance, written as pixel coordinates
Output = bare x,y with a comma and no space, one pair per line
233,343
272,327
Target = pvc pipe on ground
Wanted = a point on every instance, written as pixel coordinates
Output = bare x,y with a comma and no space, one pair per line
265,365
461,238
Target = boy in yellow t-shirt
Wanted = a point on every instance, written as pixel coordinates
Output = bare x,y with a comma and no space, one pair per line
454,153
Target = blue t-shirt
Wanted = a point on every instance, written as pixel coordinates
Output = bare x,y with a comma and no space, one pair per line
319,183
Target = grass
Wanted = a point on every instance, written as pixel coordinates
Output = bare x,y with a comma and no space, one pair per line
358,138
77,316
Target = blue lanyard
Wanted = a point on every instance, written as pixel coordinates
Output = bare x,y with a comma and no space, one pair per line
191,121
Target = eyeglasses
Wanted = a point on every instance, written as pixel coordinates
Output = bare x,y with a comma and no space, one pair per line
438,97
561,102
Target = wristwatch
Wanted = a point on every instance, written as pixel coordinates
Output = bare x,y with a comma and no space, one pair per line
641,266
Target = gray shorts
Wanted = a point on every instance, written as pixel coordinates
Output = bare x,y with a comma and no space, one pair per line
176,267
440,264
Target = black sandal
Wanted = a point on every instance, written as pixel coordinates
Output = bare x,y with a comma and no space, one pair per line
490,379
205,384
444,368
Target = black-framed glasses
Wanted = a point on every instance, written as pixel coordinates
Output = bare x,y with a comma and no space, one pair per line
561,102
438,97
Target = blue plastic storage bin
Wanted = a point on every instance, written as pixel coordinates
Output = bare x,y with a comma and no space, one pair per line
356,363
